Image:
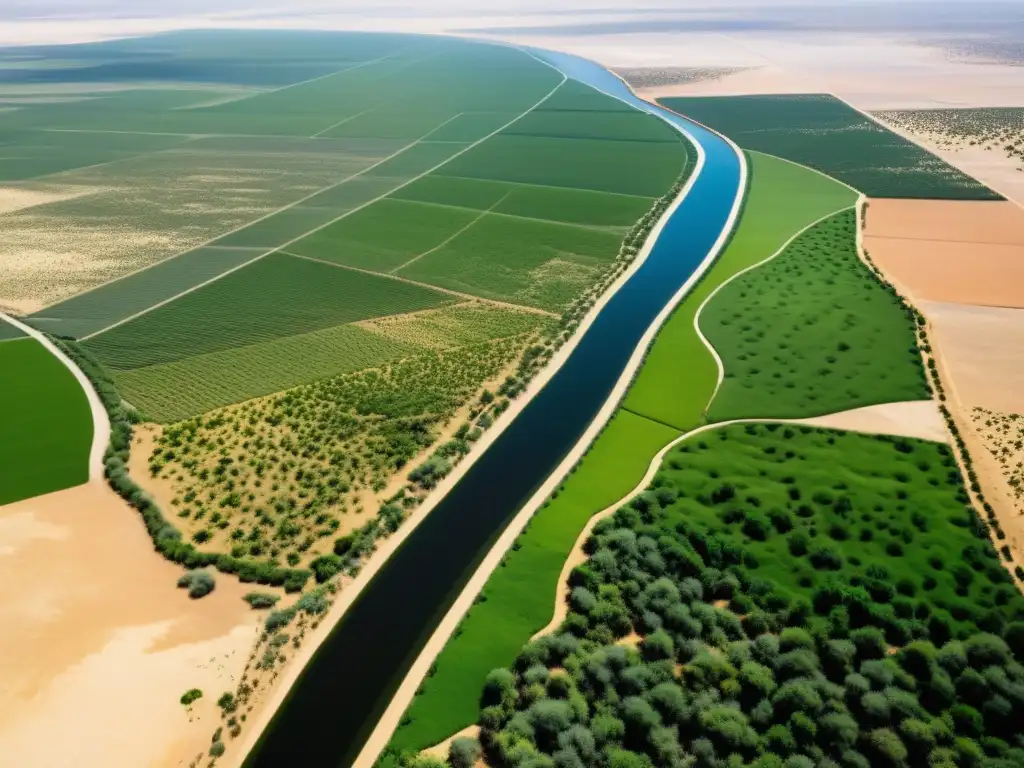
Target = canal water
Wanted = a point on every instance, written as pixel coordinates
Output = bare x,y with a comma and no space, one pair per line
336,702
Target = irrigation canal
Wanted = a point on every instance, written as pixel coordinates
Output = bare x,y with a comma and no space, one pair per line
336,702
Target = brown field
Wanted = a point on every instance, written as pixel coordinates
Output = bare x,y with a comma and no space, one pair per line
950,251
106,643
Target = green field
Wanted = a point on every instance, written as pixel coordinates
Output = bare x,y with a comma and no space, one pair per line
518,597
678,377
823,132
799,597
527,261
272,298
45,423
812,332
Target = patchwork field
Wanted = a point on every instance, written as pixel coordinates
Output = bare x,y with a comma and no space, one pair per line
46,422
822,132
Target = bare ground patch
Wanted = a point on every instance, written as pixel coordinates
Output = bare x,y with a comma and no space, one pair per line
106,643
950,251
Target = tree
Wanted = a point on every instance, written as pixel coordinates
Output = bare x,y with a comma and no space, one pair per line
728,730
884,748
967,721
640,717
463,752
984,650
658,646
838,730
499,689
607,729
549,717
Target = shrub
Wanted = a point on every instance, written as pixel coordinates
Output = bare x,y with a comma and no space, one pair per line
217,748
260,600
190,696
464,752
199,583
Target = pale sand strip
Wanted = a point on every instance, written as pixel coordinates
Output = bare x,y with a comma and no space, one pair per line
100,422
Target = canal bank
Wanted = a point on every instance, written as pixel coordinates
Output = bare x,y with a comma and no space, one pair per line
350,681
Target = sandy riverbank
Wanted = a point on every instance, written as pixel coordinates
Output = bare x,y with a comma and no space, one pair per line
106,643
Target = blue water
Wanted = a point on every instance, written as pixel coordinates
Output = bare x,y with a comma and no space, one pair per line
345,688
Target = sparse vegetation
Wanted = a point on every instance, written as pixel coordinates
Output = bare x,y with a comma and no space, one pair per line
997,129
1003,435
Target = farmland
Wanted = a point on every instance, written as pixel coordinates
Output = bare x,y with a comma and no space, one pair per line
284,476
47,425
824,133
812,332
393,181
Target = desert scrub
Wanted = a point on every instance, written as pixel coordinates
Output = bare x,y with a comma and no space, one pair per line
279,478
191,696
998,129
1003,435
811,332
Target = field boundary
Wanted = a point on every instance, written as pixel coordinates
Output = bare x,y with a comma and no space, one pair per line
452,237
368,203
389,721
401,279
100,420
696,315
913,140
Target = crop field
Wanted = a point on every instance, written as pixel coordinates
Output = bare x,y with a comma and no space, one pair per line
999,129
864,634
283,476
277,296
825,133
812,332
196,384
45,422
668,396
309,231
527,261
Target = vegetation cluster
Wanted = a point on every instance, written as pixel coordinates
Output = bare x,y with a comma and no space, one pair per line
997,128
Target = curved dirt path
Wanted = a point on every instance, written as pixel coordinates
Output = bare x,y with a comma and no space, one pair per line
100,421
